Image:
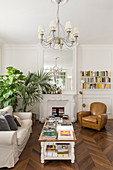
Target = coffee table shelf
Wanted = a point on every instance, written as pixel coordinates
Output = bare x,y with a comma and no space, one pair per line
46,142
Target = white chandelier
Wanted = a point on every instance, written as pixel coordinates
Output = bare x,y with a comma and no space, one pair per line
56,70
58,35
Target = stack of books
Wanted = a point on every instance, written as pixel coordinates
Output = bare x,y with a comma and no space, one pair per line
50,124
65,134
65,126
62,150
65,116
56,119
49,133
51,151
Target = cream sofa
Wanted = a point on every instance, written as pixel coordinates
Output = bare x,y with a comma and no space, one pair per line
12,143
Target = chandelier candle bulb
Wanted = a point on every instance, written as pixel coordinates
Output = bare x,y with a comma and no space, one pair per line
72,38
52,26
76,32
41,29
68,26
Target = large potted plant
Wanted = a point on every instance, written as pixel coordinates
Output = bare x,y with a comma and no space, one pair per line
35,85
9,87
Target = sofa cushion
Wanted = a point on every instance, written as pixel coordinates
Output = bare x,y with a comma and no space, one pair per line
21,135
11,121
26,123
91,119
17,120
4,126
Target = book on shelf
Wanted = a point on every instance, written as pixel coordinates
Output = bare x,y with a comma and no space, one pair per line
65,134
95,73
62,150
51,148
96,86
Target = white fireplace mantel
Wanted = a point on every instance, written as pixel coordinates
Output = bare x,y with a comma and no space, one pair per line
68,101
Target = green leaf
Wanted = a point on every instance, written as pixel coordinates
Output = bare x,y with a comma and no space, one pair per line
9,93
1,99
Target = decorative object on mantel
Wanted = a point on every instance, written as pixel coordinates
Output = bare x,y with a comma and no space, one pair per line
57,36
55,90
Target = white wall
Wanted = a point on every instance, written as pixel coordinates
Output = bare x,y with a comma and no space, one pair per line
96,58
89,57
23,57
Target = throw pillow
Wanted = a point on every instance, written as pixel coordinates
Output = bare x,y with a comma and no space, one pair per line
4,124
17,120
10,121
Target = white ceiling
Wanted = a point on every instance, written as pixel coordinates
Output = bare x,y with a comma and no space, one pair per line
19,19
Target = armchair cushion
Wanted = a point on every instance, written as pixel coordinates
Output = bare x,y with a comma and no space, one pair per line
92,119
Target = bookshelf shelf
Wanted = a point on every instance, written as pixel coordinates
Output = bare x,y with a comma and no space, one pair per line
95,80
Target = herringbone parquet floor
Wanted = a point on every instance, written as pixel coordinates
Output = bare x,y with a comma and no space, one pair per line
94,151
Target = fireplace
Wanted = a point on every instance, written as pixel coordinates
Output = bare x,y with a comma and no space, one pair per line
57,111
58,104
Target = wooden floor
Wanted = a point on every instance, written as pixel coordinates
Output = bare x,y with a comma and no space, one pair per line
94,151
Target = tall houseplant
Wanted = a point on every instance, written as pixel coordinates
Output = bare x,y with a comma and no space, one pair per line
9,87
35,85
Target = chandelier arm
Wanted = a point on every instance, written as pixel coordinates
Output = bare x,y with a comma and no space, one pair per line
45,44
68,44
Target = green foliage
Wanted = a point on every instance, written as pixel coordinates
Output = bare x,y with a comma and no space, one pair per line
35,85
9,87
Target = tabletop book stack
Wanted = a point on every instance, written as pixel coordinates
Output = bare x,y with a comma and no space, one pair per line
49,131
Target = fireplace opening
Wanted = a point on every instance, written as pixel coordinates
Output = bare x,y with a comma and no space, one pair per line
57,111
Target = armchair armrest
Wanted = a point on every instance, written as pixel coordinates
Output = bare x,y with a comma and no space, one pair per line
102,120
23,115
83,114
8,137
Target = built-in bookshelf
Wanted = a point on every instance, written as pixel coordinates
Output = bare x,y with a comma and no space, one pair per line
95,80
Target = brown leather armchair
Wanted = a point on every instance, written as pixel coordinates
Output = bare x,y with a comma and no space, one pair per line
96,118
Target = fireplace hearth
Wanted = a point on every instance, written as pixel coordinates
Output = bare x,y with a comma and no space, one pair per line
57,111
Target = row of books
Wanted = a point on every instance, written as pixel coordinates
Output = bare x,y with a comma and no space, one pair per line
62,150
95,73
96,79
57,150
96,86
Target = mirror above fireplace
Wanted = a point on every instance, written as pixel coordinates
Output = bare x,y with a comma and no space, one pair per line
60,64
